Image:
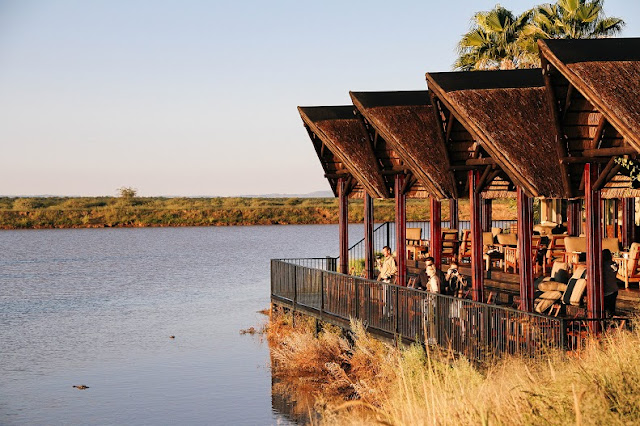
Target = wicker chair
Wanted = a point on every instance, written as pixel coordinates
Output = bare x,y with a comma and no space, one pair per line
450,244
632,272
465,246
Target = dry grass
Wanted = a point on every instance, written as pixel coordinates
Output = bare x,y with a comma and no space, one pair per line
363,381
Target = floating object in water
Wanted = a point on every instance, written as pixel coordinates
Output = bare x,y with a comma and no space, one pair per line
81,387
172,337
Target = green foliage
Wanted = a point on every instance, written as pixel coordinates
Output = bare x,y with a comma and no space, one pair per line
631,168
127,192
500,39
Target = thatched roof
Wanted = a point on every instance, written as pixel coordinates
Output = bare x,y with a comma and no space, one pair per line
339,130
407,122
607,73
506,112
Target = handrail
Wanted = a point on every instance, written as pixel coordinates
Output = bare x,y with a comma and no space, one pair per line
477,330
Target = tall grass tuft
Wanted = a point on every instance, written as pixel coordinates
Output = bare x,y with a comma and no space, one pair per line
360,380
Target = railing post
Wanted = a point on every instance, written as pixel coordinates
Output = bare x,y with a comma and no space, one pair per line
357,297
295,288
397,313
563,334
321,292
331,264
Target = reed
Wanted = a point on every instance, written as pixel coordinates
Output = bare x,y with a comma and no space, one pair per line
360,380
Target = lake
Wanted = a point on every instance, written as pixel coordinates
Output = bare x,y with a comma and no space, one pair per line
97,307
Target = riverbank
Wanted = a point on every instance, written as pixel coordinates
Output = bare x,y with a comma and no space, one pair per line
107,212
360,380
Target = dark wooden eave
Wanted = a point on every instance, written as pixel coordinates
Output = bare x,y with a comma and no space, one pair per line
593,88
506,114
341,133
607,74
405,120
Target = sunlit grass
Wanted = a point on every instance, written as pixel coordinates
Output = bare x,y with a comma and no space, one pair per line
78,212
364,381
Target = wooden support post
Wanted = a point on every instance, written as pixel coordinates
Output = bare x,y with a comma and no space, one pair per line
574,218
487,213
343,225
435,246
595,291
525,232
616,208
401,229
453,213
368,237
477,264
628,221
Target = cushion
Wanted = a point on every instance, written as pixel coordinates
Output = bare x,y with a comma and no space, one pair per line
558,266
578,291
546,300
579,273
552,286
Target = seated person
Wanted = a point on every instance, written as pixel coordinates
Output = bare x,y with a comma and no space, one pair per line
610,282
389,267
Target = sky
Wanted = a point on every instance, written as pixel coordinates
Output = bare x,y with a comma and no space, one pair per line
199,97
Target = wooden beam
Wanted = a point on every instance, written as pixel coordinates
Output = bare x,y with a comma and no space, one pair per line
483,178
453,213
343,226
628,221
609,152
595,290
401,229
368,237
567,101
435,246
602,179
552,105
596,138
477,264
582,160
525,232
436,105
574,217
480,161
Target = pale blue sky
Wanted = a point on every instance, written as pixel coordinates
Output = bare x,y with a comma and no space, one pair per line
199,97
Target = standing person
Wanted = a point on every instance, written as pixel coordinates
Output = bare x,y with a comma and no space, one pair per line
454,283
434,283
388,268
610,282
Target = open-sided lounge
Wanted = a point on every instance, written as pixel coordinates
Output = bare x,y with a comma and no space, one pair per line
566,134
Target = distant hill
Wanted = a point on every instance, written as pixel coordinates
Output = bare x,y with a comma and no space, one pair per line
314,194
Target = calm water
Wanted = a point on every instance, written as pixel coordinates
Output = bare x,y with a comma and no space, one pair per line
97,307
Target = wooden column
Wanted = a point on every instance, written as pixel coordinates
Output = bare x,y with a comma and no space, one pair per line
595,291
477,264
525,232
574,217
616,208
628,221
435,245
368,237
453,213
343,225
487,210
401,229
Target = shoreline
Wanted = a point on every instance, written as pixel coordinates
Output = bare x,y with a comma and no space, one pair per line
157,212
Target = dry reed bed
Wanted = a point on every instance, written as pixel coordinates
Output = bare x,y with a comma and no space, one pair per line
360,380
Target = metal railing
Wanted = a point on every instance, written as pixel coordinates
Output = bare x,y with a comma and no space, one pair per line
476,330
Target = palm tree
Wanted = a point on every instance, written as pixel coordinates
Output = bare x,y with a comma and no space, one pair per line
500,40
573,19
493,41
